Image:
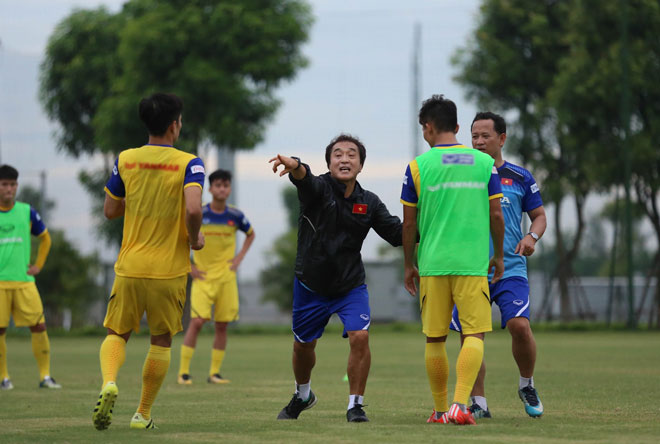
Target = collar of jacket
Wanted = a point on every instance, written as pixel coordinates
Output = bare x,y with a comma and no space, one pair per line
340,188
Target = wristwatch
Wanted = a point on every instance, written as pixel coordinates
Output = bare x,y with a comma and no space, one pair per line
534,235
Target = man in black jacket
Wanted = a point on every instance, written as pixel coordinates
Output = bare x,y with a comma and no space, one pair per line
336,214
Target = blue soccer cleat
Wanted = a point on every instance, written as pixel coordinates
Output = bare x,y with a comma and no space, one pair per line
478,412
533,405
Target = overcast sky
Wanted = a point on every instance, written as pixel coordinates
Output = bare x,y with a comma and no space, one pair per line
358,81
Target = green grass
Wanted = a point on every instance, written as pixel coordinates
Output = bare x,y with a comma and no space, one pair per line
595,386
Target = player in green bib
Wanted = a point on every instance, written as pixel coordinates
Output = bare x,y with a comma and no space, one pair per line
19,297
451,197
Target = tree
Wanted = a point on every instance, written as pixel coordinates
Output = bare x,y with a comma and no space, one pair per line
588,93
277,278
509,67
558,67
225,59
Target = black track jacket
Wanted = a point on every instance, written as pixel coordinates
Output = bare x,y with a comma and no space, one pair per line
331,230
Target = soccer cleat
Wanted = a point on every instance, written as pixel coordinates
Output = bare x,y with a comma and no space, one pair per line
6,384
478,412
217,379
529,397
139,422
443,419
102,416
184,379
50,383
460,417
356,414
296,406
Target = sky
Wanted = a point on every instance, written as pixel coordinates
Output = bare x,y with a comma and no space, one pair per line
358,81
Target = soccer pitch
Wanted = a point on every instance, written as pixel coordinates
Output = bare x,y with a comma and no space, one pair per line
595,387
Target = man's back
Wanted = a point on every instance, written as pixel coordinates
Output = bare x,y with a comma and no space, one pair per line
152,179
453,219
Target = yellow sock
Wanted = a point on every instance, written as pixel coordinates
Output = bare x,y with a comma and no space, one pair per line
467,367
113,355
41,351
437,370
217,356
153,375
3,358
186,357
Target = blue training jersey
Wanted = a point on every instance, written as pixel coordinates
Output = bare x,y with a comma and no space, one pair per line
521,194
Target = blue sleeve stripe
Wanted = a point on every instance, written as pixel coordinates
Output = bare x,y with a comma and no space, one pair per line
195,173
115,186
408,190
37,226
494,186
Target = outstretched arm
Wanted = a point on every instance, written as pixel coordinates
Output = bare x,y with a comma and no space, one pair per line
292,166
309,187
387,226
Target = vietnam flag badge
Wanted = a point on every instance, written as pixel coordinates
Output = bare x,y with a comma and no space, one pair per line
506,181
359,208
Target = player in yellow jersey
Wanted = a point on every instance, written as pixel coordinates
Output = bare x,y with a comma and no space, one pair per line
158,190
19,296
214,276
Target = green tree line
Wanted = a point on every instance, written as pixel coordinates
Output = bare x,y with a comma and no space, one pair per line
557,69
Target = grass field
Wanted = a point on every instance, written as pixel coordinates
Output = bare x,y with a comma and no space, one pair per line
595,386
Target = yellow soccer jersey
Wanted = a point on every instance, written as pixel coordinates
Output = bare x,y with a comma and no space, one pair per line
151,179
220,241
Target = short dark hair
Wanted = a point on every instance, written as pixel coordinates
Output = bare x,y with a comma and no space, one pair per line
498,121
158,111
219,175
8,173
346,138
440,112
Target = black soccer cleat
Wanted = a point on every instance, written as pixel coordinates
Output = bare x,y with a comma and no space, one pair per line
356,414
296,406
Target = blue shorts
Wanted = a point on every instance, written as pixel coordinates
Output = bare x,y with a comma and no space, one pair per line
311,311
512,297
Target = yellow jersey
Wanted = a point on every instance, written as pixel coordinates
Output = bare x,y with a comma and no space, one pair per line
151,180
220,241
